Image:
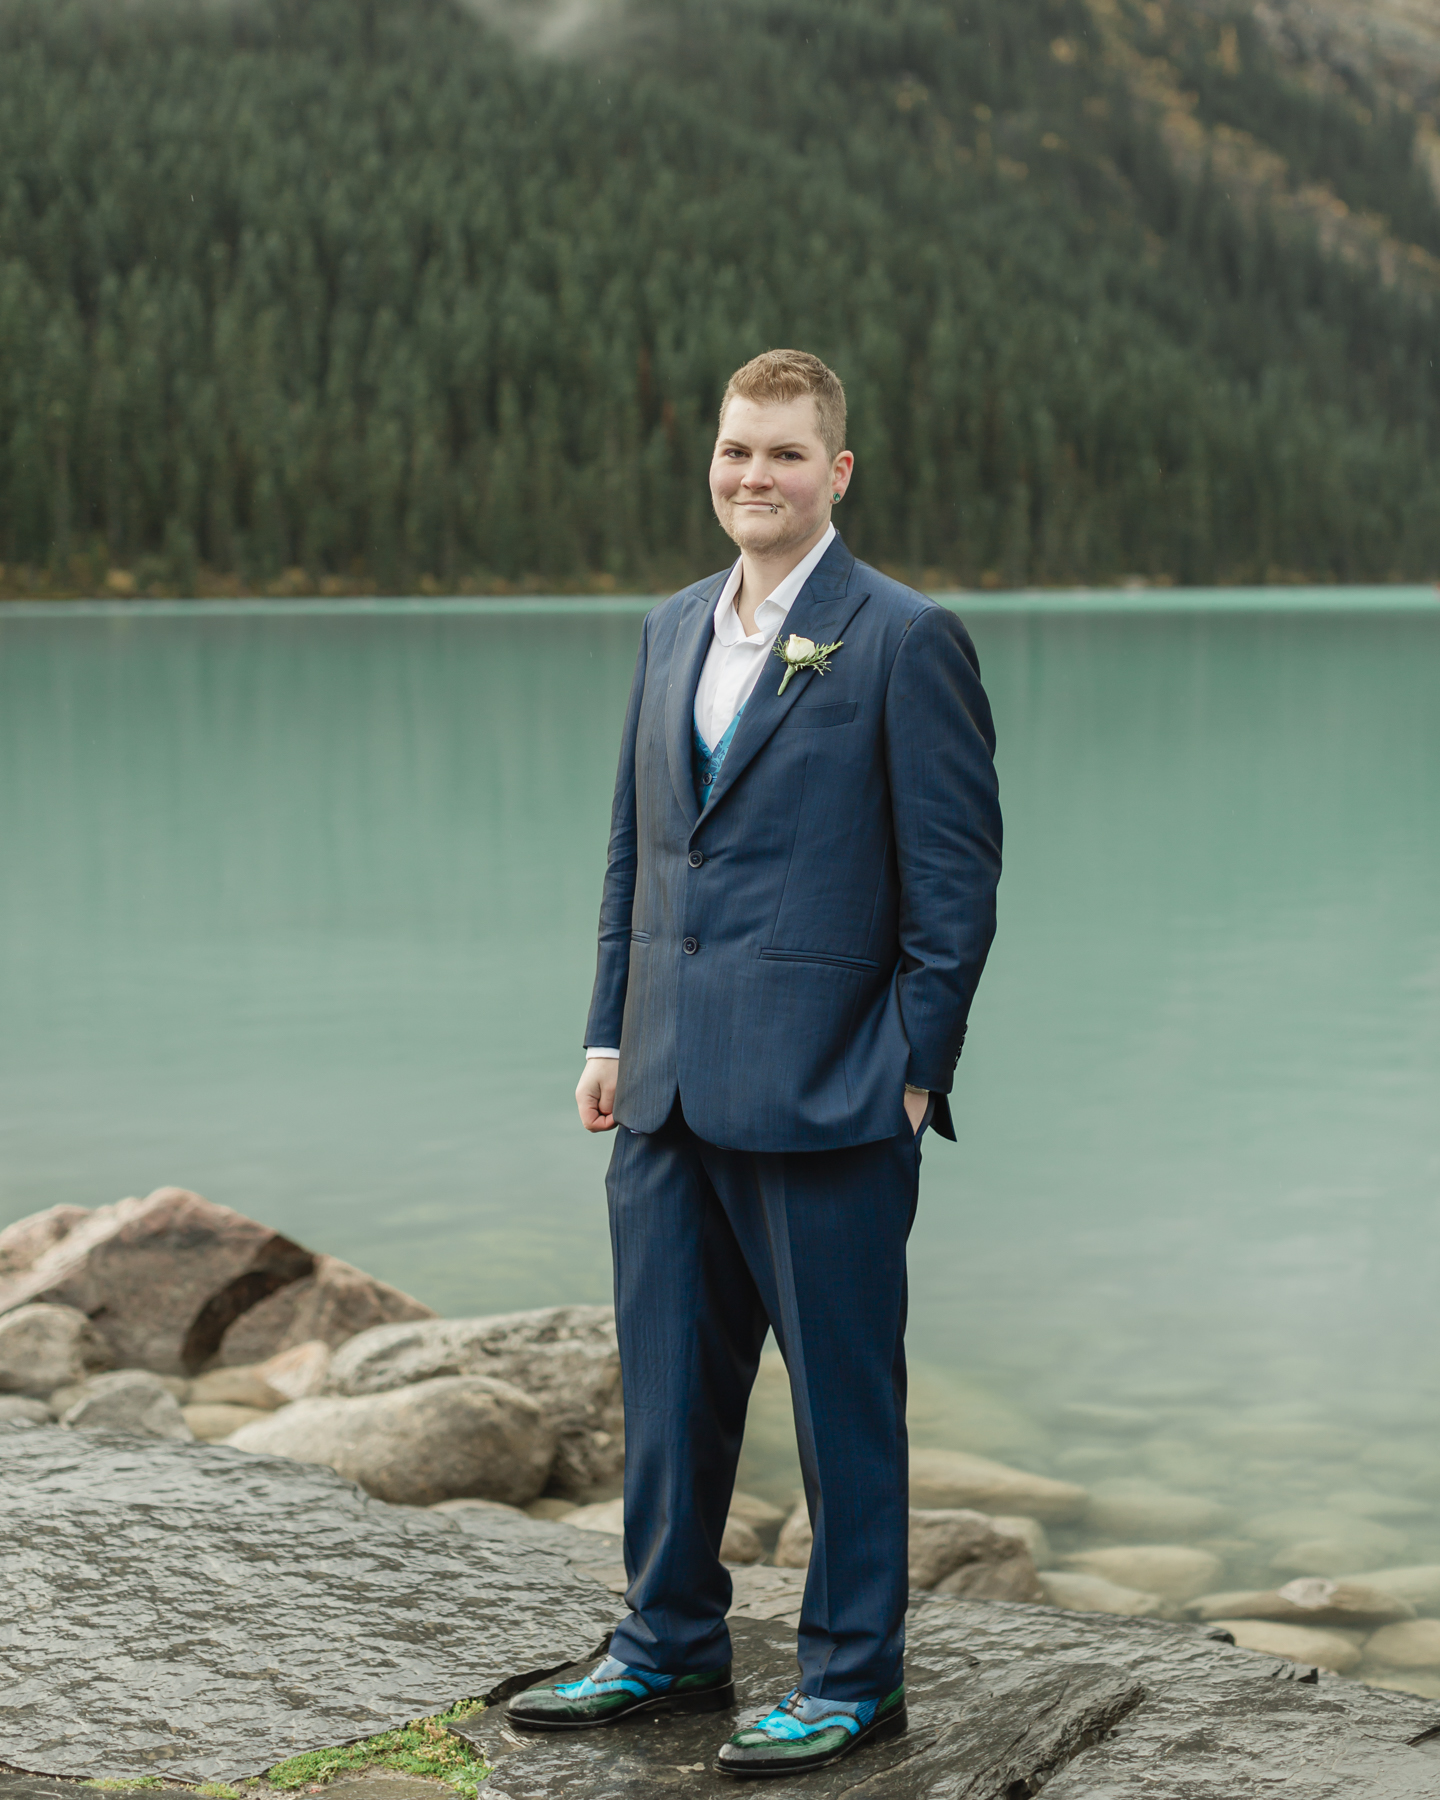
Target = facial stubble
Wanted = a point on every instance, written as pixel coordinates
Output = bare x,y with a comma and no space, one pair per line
771,542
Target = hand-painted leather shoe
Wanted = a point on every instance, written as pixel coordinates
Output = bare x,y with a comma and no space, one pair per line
804,1733
614,1691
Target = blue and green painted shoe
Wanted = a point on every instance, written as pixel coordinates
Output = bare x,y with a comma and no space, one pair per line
613,1691
804,1733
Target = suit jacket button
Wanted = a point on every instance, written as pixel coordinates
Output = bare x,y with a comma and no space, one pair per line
696,859
690,946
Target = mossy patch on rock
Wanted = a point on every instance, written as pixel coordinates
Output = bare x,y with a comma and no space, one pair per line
424,1747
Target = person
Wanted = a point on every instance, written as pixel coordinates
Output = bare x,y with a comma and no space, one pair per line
799,899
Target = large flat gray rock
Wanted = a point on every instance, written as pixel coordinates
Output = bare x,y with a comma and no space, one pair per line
189,1610
1022,1729
1216,1723
1005,1700
40,1787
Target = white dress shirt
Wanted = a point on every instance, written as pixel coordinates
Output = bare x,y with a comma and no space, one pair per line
734,661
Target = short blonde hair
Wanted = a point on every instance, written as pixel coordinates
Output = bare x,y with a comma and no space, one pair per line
780,375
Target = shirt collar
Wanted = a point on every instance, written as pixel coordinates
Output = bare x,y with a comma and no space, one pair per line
771,613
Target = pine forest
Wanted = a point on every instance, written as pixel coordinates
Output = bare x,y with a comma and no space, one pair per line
340,296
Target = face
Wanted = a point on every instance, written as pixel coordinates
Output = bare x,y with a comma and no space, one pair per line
771,476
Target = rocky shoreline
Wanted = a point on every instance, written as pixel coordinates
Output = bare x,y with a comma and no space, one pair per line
236,1468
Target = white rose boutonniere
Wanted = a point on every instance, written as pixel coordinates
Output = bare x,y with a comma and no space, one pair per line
799,653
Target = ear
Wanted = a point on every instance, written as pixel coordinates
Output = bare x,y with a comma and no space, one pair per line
840,473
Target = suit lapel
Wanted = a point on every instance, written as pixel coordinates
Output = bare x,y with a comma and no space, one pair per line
823,609
693,633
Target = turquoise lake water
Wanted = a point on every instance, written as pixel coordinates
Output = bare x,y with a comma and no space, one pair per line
297,909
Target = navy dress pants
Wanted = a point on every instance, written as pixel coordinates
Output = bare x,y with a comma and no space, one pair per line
712,1246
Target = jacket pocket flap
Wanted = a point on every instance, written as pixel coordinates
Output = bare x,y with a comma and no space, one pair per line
810,718
834,960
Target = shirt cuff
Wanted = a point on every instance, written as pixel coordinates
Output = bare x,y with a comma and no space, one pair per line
593,1050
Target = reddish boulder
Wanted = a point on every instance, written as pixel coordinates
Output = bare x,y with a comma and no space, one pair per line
328,1305
161,1279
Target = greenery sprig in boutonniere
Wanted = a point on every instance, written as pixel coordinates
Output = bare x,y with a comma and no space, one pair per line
799,653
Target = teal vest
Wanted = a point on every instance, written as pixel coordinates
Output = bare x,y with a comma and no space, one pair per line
706,762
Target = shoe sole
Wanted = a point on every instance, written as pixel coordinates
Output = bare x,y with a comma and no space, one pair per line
878,1733
709,1700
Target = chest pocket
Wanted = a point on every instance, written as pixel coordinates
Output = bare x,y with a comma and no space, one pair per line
811,718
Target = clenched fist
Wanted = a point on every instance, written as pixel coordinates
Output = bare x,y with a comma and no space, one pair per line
595,1093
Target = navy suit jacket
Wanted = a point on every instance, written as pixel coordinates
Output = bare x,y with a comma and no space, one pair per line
789,959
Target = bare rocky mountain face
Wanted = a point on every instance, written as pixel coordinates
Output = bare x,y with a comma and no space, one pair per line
1390,46
1359,53
1394,44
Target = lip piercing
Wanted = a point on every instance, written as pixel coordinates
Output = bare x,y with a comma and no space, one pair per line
774,509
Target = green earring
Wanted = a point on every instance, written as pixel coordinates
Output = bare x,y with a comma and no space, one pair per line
834,497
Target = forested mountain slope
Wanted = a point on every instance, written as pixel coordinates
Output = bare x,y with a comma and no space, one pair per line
338,293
